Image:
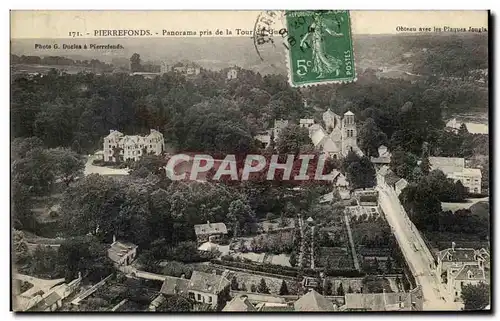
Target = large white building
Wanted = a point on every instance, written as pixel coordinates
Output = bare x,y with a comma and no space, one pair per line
338,137
132,147
454,168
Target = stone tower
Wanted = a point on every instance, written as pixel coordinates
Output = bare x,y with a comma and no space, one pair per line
349,134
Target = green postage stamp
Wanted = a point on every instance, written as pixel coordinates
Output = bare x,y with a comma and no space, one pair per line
320,47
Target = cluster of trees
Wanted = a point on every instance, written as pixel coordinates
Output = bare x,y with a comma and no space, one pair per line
204,114
35,171
339,291
422,202
60,61
85,255
476,297
277,243
359,171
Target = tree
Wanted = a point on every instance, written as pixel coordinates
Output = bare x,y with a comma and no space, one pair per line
476,297
328,287
292,139
176,303
370,137
361,173
135,63
340,290
253,288
262,288
21,251
234,284
403,163
68,165
349,289
35,171
242,216
293,259
283,288
425,166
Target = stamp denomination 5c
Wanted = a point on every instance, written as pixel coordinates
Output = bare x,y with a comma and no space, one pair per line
320,47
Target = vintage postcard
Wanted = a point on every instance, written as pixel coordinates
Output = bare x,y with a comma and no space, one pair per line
250,161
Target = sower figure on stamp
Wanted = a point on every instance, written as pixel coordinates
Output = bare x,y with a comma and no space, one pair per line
323,63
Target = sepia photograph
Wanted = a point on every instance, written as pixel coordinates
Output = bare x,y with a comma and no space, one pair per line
250,161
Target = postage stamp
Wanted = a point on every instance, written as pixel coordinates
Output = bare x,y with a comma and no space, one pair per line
320,47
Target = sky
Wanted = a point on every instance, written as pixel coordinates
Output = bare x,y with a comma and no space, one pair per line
59,24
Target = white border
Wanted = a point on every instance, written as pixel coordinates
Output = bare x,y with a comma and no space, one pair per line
193,4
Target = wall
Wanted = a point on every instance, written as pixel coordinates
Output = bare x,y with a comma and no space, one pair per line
204,297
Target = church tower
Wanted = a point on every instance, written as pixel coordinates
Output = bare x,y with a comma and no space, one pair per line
349,134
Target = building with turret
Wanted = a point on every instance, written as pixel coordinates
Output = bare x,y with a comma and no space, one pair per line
338,136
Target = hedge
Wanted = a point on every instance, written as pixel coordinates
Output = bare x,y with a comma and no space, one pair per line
286,271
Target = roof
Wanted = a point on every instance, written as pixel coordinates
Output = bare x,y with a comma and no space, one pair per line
472,172
348,113
402,183
306,121
384,170
313,301
447,165
457,255
310,219
381,160
118,249
378,301
207,283
240,303
391,178
208,246
173,285
467,270
46,302
276,308
210,228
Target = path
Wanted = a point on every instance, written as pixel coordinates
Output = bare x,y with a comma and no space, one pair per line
101,170
351,242
415,252
301,252
95,287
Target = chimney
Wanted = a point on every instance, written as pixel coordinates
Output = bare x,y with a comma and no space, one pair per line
183,276
214,272
453,246
114,238
79,274
111,131
208,222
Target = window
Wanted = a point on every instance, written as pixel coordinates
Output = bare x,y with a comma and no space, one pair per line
199,297
150,146
209,299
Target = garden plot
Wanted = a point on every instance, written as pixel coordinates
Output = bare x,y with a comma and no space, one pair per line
248,282
363,211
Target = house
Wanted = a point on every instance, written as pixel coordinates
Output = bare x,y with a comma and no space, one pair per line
454,168
239,304
122,253
208,288
400,185
279,125
455,258
50,303
473,128
384,157
399,301
338,137
175,286
232,74
132,147
264,138
52,300
306,122
210,232
458,278
188,70
313,302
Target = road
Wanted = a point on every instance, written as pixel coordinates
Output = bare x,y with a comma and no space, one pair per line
434,295
101,170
